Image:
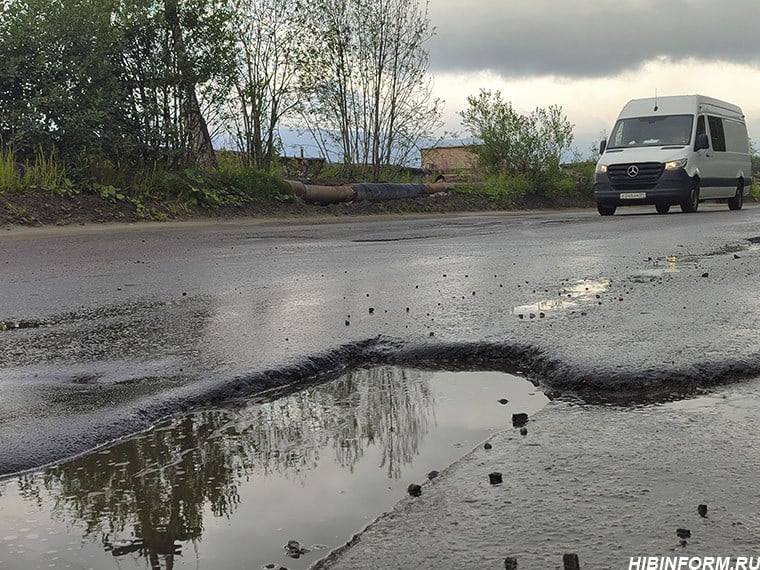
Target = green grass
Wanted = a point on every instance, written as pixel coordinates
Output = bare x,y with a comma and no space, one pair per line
43,174
145,186
10,180
508,189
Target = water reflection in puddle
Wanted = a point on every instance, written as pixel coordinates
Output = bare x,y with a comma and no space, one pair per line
228,488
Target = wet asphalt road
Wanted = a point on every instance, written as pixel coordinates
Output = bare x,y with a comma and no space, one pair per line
110,329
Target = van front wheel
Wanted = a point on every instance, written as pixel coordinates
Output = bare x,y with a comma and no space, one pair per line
662,208
691,203
737,201
606,210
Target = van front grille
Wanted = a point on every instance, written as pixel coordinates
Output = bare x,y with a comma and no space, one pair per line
644,173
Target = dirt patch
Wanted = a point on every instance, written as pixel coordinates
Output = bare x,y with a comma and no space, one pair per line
51,209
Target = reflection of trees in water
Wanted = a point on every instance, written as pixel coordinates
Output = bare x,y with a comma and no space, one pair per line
155,487
384,406
393,411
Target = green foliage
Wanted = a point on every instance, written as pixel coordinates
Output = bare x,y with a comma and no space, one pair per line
508,189
248,186
44,173
109,193
110,79
513,143
503,190
47,173
10,180
211,189
508,186
574,179
754,193
153,191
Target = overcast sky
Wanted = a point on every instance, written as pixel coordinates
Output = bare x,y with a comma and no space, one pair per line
592,56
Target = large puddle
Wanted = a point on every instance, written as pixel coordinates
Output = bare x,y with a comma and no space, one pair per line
231,487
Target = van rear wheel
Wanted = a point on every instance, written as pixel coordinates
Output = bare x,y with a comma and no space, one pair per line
662,208
737,201
691,203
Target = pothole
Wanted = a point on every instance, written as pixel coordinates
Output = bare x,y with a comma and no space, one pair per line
311,468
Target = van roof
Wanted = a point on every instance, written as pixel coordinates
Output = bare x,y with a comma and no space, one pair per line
680,104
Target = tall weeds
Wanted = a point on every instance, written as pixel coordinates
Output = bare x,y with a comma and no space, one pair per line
10,179
45,173
48,173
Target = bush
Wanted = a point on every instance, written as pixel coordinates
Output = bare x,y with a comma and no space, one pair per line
513,143
576,179
508,186
504,189
508,190
561,185
754,192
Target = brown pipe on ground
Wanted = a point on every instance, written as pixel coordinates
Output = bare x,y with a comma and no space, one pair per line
299,188
438,187
313,194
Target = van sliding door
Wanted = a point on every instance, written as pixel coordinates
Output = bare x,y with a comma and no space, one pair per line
722,170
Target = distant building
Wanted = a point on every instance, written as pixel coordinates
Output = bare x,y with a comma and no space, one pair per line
453,162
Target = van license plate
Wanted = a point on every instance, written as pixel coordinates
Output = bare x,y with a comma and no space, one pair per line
632,195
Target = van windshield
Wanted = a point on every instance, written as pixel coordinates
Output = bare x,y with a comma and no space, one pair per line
652,131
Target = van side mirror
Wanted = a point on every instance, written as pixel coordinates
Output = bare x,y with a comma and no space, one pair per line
602,147
702,142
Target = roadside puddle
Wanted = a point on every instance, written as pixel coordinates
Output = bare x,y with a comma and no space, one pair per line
571,296
20,324
261,484
577,296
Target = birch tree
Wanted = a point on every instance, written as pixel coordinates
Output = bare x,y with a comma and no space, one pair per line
370,93
269,39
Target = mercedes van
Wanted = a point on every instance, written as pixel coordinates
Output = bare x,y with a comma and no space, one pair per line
677,150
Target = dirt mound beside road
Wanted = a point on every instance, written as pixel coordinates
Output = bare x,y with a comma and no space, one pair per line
51,209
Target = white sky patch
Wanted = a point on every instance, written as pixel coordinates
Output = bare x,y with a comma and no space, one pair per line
592,104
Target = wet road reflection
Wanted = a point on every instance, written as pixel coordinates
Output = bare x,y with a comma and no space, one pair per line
571,296
228,488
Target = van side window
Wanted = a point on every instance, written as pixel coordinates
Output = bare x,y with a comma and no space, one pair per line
701,130
717,137
736,136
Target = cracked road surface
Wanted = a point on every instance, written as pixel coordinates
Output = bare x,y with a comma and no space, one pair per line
105,330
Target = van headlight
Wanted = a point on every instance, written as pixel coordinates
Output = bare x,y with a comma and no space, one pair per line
673,164
601,168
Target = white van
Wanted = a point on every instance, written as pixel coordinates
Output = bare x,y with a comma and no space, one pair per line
674,150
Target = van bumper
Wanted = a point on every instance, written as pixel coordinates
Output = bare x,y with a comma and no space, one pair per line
672,187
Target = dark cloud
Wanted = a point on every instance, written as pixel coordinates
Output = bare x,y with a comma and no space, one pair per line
589,38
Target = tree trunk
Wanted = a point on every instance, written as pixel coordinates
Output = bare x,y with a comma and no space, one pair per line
198,137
